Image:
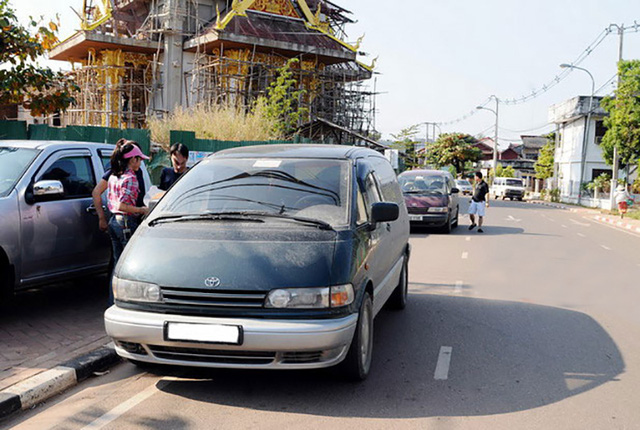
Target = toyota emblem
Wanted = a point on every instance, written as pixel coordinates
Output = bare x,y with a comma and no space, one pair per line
212,282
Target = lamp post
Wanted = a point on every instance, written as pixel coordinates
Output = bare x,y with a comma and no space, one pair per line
495,141
586,127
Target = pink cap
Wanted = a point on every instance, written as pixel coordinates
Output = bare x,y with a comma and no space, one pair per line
135,153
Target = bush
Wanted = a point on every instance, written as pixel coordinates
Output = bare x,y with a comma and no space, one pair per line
215,122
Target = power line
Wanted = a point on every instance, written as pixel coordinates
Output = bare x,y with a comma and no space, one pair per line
556,80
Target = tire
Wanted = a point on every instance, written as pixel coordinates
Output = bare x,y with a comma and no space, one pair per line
398,299
456,221
6,283
446,229
357,364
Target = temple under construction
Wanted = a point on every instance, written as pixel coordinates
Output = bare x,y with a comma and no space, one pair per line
139,58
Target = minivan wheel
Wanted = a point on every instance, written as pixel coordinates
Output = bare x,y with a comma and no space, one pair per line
398,299
6,284
357,364
447,227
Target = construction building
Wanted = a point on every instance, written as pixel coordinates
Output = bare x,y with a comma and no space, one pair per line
139,58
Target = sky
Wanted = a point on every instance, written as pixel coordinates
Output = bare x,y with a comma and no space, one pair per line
439,59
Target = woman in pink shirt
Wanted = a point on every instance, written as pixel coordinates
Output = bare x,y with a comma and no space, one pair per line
121,197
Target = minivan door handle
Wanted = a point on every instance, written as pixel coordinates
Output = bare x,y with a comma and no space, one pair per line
388,226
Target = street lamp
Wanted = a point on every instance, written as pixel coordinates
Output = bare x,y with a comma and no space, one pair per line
586,127
495,141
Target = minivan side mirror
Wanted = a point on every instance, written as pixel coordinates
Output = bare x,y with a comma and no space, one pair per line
454,190
48,188
384,212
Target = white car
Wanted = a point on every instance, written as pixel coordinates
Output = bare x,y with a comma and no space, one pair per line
464,186
512,188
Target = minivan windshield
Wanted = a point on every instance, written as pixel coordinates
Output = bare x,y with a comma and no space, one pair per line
514,182
13,163
427,184
311,189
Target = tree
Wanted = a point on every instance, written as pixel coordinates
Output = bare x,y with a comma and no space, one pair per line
282,103
453,149
545,165
505,172
405,141
36,88
623,122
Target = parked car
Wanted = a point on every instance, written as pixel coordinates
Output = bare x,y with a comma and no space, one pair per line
431,198
464,186
512,188
276,256
48,227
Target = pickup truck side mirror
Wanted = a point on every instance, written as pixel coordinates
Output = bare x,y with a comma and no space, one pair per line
48,188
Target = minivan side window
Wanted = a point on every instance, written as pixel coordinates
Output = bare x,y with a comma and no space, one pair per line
389,187
75,174
361,208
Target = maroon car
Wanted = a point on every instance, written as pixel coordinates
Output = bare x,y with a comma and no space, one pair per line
431,198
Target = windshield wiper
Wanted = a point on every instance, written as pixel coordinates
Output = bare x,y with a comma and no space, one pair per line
222,216
322,225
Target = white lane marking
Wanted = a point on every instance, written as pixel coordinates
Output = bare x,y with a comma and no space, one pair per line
442,367
583,224
124,407
564,226
511,218
465,255
458,288
581,235
468,239
606,247
551,219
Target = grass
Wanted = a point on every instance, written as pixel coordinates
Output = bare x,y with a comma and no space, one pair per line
216,122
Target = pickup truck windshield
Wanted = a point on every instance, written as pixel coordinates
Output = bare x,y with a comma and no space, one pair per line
313,189
514,182
13,163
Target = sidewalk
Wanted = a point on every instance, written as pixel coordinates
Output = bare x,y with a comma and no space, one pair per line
45,329
597,215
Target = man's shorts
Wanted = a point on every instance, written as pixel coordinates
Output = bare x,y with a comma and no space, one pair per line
476,208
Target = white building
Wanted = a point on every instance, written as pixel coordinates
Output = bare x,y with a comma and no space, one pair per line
578,159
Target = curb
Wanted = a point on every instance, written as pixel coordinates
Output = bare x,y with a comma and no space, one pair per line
47,384
617,223
553,205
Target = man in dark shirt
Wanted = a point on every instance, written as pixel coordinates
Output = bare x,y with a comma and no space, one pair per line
478,202
179,154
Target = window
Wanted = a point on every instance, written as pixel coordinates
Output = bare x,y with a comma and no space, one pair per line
601,130
597,172
105,158
75,174
361,209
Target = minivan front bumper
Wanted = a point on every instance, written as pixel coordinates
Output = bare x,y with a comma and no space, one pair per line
266,344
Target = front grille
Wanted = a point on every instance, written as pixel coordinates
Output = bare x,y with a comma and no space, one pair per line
302,357
212,355
418,211
200,297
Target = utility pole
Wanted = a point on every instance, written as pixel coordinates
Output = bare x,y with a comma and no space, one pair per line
495,141
614,176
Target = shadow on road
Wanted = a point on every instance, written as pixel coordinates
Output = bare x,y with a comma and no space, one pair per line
462,230
506,357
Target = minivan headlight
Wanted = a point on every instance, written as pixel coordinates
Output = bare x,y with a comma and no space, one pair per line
439,210
310,298
134,291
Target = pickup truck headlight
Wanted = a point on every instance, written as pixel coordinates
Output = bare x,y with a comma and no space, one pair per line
439,210
134,291
310,298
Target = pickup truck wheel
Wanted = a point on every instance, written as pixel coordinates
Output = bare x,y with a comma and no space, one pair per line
6,281
357,364
398,299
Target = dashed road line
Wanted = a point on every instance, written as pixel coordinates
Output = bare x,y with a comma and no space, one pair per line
468,239
583,224
582,235
606,247
465,255
444,361
564,226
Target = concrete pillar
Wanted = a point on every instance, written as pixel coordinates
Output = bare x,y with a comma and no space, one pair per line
173,30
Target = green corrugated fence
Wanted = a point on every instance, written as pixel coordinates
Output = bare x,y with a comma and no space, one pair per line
210,145
18,130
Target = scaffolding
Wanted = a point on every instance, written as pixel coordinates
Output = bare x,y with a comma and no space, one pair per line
121,88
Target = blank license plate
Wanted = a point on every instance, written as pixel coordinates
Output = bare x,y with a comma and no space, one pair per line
415,217
205,333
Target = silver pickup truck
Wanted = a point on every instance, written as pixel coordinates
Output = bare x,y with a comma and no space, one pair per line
48,225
